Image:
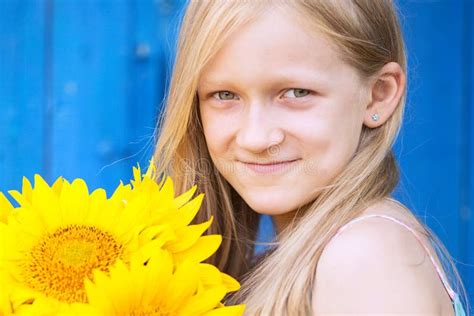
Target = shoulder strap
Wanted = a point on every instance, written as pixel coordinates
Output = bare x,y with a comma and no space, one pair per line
451,292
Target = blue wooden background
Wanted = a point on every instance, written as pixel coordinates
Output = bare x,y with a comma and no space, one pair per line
81,84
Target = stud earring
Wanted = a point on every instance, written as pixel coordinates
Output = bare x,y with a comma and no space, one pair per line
375,117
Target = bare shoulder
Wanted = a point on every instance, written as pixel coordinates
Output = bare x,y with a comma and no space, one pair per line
376,266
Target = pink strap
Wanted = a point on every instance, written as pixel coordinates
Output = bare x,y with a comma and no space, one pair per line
441,275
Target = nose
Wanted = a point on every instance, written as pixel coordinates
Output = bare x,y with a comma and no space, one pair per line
258,130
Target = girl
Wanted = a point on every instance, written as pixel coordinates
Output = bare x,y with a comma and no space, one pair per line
291,108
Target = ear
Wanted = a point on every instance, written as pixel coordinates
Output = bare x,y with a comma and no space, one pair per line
386,90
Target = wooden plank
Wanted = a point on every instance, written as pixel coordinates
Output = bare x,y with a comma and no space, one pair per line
91,68
428,147
22,95
109,82
432,145
152,39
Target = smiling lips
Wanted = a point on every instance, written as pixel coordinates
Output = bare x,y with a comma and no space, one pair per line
270,167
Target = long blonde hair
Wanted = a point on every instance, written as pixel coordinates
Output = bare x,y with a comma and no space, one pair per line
368,35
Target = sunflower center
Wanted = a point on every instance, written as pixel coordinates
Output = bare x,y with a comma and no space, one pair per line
76,252
59,263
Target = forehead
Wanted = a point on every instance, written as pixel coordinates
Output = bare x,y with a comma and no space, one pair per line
273,44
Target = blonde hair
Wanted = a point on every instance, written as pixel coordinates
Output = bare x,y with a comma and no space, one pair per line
368,36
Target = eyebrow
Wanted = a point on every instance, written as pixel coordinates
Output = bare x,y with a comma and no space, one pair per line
284,78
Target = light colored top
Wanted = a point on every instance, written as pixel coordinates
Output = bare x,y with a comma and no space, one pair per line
458,308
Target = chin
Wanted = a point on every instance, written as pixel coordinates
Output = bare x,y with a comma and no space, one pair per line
272,208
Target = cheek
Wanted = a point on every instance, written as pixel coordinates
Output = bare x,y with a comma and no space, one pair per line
329,140
218,130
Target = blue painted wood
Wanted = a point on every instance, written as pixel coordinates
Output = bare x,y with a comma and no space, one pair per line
99,73
467,245
430,147
107,97
22,72
147,74
154,25
92,53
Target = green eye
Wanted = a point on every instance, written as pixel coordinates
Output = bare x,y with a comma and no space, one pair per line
225,95
298,93
301,92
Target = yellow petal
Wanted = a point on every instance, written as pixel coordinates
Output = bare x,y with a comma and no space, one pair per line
122,192
166,191
168,187
27,189
186,213
98,200
183,284
151,171
231,283
211,276
145,252
137,176
183,198
187,236
204,301
158,270
5,208
201,250
75,202
46,203
119,283
28,224
40,306
19,198
152,232
58,185
24,198
97,298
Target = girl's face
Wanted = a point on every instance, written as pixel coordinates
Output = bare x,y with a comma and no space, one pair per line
277,94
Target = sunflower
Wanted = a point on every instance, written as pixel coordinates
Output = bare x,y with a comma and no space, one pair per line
62,235
185,241
59,235
161,288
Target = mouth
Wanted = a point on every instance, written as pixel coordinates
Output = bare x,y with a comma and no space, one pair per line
270,167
